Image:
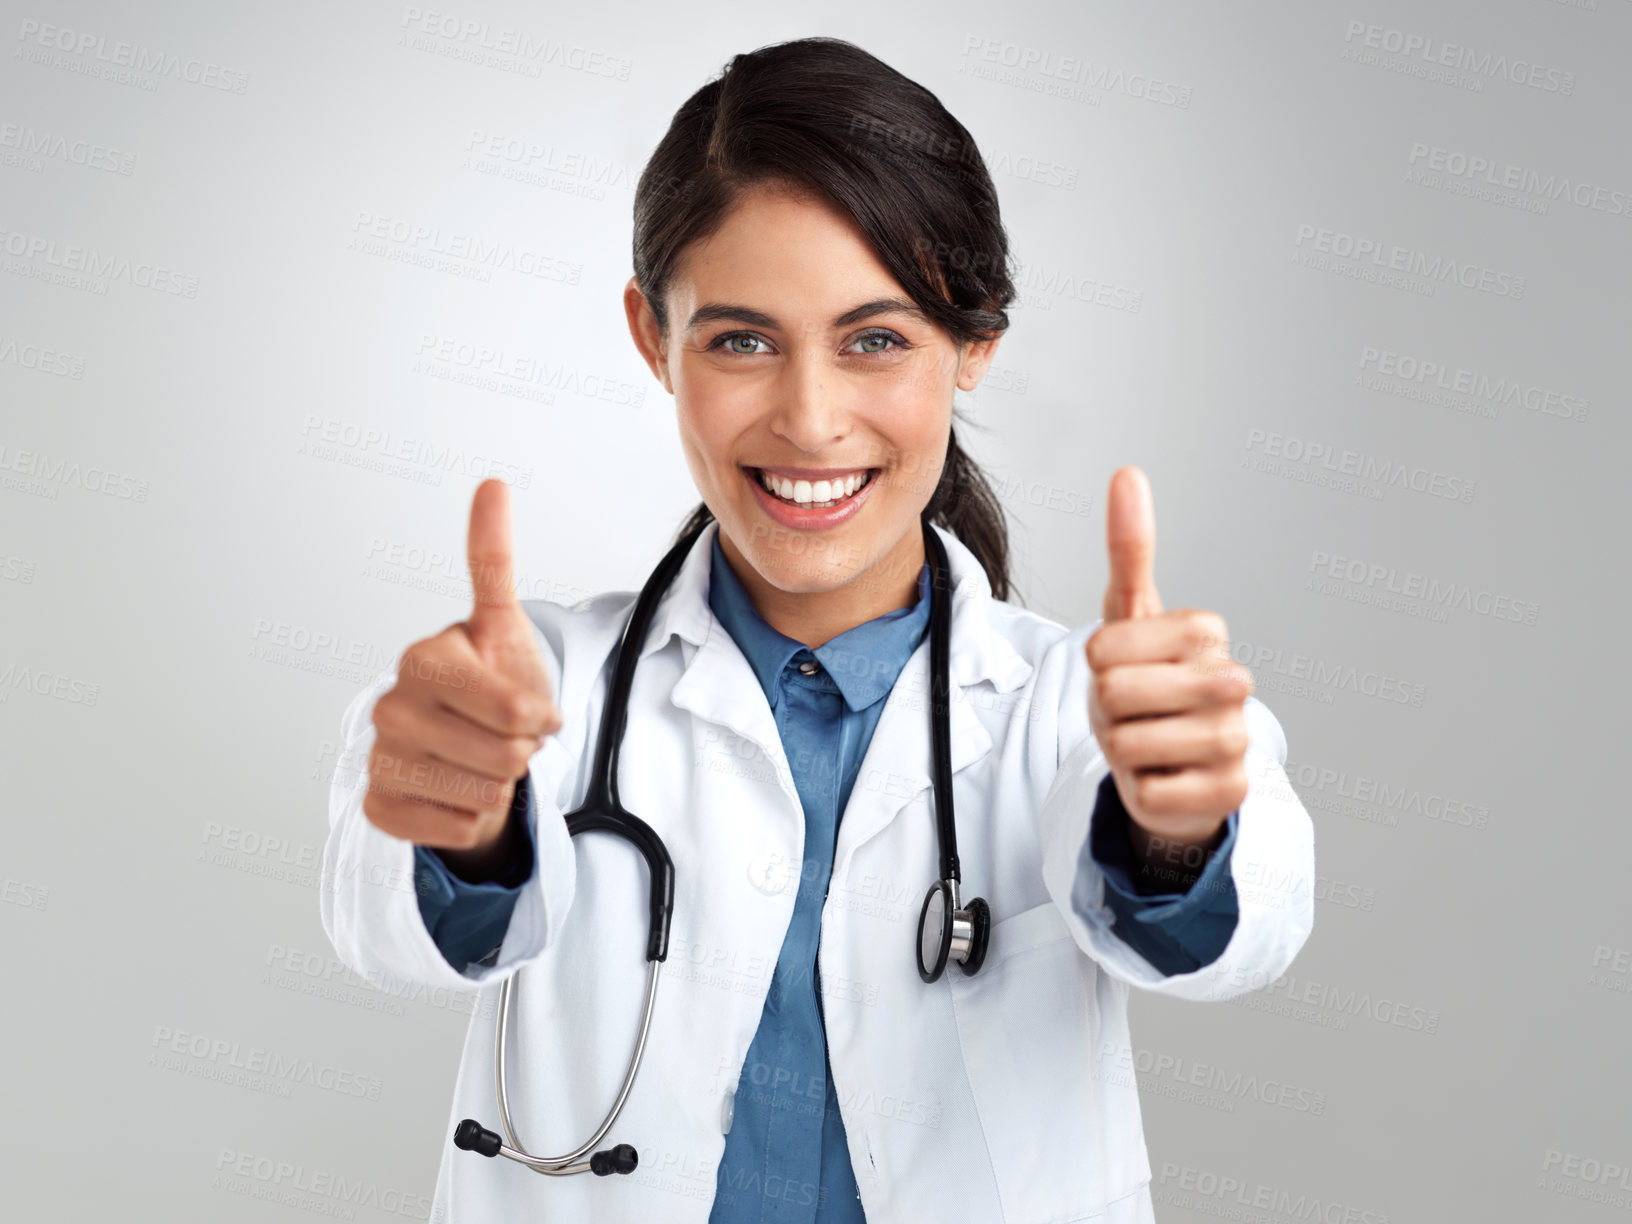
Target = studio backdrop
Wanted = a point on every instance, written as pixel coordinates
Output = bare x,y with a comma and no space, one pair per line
281,284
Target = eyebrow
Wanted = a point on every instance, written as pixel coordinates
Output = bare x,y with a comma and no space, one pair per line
758,318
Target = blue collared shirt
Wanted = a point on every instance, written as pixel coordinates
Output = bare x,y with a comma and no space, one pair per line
783,1159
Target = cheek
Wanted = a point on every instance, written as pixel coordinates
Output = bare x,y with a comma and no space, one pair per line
708,436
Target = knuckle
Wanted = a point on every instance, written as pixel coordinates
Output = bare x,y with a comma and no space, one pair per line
388,714
1109,689
1204,629
1231,738
1113,742
514,708
1095,652
1144,793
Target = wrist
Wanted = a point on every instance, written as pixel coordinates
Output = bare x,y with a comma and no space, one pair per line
500,859
1162,863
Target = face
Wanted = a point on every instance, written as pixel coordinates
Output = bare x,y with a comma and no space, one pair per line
794,355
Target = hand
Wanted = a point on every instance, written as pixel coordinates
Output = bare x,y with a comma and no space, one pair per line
470,708
1166,703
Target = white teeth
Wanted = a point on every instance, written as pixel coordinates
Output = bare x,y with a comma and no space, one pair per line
817,493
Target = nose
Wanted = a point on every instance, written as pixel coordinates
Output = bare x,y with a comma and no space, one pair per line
812,408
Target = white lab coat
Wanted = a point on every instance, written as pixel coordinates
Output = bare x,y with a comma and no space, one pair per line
1005,1096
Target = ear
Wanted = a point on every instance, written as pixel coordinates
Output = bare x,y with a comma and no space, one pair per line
643,330
976,356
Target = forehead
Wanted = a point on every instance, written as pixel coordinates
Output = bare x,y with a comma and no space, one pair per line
793,256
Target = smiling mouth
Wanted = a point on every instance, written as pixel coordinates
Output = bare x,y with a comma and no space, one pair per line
814,494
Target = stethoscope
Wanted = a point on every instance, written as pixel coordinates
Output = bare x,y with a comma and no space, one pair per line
946,929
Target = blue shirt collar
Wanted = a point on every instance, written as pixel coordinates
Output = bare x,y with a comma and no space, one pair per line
863,662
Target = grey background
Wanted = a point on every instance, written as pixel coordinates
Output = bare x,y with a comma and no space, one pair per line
1450,1041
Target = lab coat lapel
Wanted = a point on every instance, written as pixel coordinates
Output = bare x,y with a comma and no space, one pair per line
718,685
899,761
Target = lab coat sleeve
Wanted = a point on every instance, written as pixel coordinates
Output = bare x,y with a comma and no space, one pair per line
368,897
1272,864
468,921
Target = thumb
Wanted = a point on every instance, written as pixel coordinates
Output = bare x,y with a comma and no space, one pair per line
492,575
1130,538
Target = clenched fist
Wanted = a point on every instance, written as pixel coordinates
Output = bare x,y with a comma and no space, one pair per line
1166,703
470,708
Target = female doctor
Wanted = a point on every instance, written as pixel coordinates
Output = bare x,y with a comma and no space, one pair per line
819,263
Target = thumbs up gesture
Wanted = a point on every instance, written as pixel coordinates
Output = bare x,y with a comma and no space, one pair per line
1166,702
470,708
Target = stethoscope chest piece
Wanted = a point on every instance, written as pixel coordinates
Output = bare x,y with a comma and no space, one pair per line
946,932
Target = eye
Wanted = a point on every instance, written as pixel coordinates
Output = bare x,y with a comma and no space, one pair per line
725,342
888,337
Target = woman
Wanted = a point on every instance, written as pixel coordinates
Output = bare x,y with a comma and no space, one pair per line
819,262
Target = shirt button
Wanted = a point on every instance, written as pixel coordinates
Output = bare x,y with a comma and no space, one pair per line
809,667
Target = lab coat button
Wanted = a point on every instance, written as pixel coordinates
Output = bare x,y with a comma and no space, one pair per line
728,1109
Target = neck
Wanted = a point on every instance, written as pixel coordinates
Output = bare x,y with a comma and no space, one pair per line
817,617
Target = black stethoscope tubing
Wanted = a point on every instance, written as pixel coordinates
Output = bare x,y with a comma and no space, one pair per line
958,933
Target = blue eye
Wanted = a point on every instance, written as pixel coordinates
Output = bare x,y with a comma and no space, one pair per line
888,336
891,342
729,336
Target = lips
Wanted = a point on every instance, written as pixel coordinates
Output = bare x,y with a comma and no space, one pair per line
811,515
824,487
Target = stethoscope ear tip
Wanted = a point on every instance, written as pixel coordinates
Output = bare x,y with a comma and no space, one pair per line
472,1136
621,1159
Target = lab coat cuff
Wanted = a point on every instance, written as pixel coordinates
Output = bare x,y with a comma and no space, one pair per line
1273,842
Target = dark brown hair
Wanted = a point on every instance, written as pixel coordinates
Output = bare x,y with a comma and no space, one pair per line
822,116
